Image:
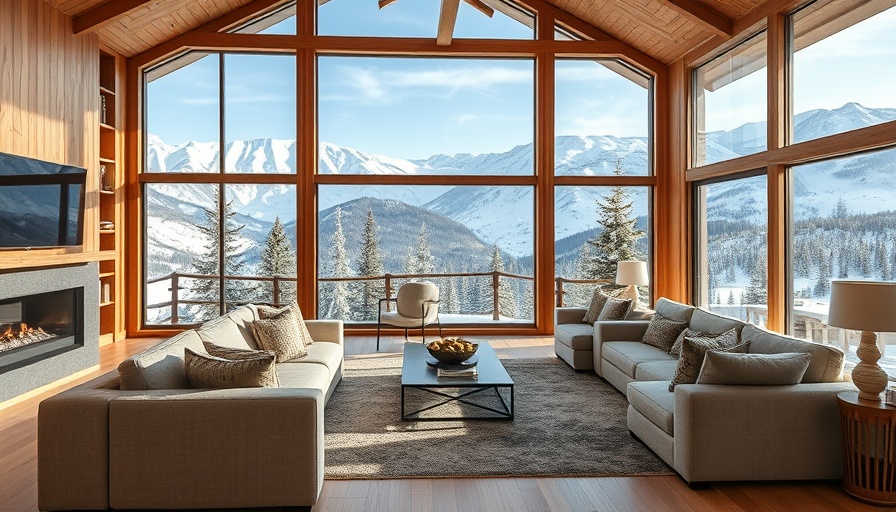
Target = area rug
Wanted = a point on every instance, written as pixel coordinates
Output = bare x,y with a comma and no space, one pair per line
567,424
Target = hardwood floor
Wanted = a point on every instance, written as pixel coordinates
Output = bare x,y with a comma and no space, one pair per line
18,470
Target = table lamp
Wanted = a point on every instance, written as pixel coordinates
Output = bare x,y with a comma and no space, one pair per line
870,307
632,274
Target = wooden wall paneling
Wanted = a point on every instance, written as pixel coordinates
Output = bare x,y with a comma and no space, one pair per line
671,216
133,161
777,302
48,103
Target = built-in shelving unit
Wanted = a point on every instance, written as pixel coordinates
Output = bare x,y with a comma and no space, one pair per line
111,199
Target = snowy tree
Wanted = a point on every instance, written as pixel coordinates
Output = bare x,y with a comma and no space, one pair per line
336,301
278,258
420,260
208,263
755,292
451,300
506,297
840,211
823,284
731,296
618,239
842,264
370,263
882,262
864,258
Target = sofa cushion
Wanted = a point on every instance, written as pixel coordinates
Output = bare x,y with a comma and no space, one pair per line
615,309
280,334
225,332
674,310
267,312
598,300
694,349
753,369
210,372
654,401
575,336
627,355
676,347
233,353
161,366
662,332
243,317
656,370
304,375
326,354
825,364
713,323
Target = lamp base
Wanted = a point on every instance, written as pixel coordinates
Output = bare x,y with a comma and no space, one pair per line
631,292
870,378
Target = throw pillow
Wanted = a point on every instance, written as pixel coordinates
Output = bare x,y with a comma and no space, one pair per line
209,372
267,312
280,334
598,299
662,332
753,369
694,349
676,347
233,354
615,309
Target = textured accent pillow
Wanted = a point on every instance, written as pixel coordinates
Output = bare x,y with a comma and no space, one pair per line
662,332
598,299
615,309
676,347
753,369
234,354
209,372
694,349
267,312
280,334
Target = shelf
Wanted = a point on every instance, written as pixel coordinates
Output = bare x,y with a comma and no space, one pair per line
107,91
106,160
104,275
110,192
107,127
49,258
104,304
107,231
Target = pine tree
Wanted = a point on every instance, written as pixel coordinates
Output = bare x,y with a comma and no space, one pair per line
618,239
451,301
420,261
842,264
278,258
506,297
840,211
731,296
864,258
882,262
823,284
336,303
756,290
370,263
580,294
208,263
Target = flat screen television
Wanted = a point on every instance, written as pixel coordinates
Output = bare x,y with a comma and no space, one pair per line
41,203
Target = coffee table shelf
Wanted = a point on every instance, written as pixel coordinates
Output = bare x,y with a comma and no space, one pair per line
418,375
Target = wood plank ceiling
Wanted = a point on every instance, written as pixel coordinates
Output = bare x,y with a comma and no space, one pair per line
664,29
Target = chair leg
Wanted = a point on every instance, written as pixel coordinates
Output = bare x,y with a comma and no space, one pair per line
377,337
406,334
423,331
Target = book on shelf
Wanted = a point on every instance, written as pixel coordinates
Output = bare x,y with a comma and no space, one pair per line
464,373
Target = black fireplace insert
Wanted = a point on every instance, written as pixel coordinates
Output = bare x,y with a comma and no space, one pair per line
39,326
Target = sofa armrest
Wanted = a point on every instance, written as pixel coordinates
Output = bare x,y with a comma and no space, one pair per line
247,447
758,432
326,330
569,316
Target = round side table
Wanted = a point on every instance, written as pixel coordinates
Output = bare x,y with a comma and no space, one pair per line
869,449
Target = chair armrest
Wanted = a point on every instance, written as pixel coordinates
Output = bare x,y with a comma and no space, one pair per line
758,432
620,330
247,447
326,330
569,315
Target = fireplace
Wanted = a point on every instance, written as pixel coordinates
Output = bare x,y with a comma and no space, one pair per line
40,325
49,326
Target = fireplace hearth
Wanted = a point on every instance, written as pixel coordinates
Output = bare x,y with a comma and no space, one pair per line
49,326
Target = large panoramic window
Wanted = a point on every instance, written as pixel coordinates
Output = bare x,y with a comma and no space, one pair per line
210,247
411,116
603,119
844,227
732,255
474,242
856,62
730,107
594,228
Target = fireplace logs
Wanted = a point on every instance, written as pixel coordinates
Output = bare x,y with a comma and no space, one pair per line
19,335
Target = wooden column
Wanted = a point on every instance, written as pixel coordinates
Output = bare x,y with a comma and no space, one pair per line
306,163
778,121
544,189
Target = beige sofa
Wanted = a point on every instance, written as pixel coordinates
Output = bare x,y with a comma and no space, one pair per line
574,338
710,433
141,438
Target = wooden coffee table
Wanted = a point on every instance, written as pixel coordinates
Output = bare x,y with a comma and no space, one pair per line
417,374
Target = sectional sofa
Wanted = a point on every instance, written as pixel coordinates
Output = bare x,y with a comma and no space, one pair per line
141,438
711,432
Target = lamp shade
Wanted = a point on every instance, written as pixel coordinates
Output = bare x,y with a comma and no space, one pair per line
863,306
632,273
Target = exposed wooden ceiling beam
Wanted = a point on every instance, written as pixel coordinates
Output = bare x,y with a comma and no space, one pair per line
481,7
447,19
704,15
384,3
103,14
